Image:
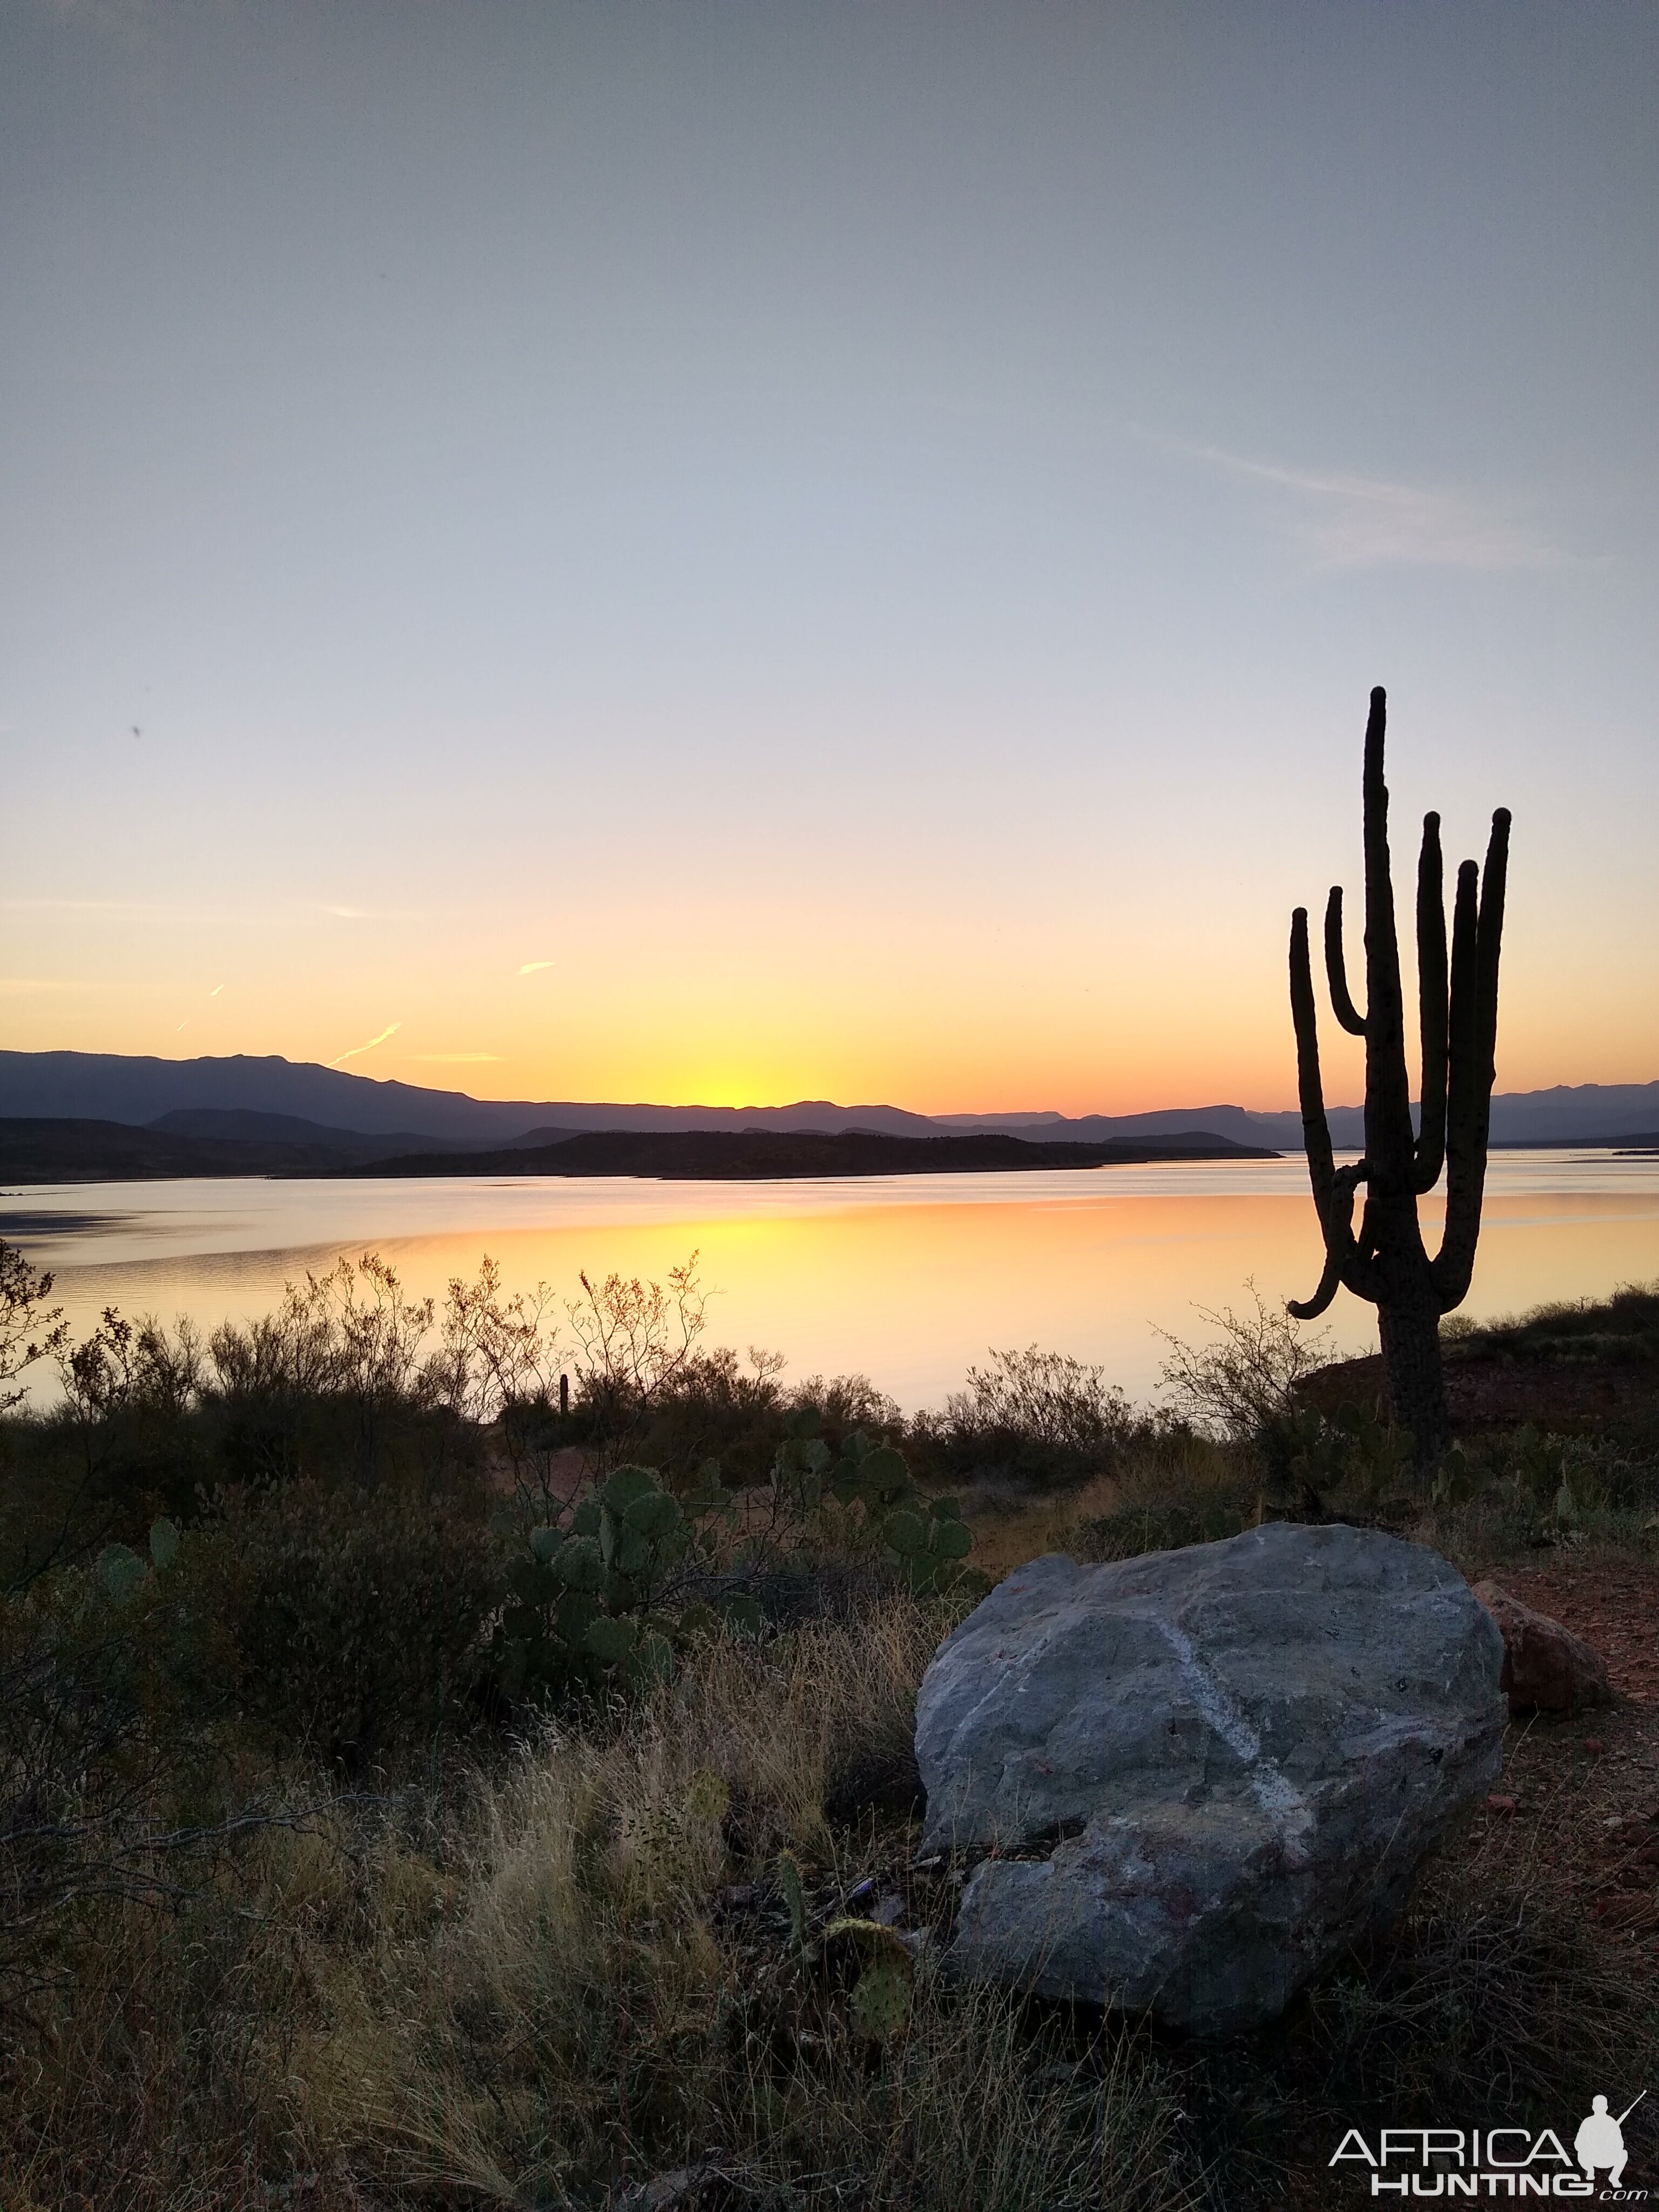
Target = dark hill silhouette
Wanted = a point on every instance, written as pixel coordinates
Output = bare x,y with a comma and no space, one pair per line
34,1150
761,1155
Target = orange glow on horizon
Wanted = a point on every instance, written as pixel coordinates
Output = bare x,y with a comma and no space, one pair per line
897,1011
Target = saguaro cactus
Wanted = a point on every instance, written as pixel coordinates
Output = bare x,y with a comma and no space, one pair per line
1386,1263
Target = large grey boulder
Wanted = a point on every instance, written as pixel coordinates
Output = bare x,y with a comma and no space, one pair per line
1202,1774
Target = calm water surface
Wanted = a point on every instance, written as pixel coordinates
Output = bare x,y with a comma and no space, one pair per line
907,1280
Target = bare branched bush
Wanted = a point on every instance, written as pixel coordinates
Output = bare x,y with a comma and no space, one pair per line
496,1351
633,1339
1033,1418
353,1335
31,1329
1053,1398
1247,1377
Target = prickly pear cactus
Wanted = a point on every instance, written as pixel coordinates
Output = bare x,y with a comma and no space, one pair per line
880,2010
587,1606
121,1571
925,1537
885,1988
592,1602
798,1469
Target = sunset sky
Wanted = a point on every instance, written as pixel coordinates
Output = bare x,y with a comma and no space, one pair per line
735,553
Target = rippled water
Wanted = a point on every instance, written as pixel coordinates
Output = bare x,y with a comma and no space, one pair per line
908,1278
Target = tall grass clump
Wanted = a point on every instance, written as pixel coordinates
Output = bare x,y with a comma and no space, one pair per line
547,1985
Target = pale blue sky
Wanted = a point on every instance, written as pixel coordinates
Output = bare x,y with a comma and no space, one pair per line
860,534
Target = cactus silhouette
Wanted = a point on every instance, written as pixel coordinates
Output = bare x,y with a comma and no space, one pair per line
1386,1263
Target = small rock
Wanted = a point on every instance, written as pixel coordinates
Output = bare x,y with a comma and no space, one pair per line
665,2191
1497,1803
1546,1668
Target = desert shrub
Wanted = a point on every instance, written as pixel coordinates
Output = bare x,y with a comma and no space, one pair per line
1174,1487
1624,1328
714,1407
1527,1489
1245,1385
1130,1531
1353,1461
112,1684
632,1341
333,1385
53,1511
149,1421
1031,1419
130,1391
359,1617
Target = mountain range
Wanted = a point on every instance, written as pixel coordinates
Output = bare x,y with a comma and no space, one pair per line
272,1101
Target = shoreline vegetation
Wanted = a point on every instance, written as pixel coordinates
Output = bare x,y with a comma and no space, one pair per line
463,1754
49,1151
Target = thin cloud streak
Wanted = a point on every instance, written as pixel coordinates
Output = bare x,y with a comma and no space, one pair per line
277,916
87,906
367,913
1355,522
533,967
390,1030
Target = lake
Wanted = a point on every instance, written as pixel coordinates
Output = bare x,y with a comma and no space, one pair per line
905,1278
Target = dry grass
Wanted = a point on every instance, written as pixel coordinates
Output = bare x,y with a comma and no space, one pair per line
1192,1473
530,1997
547,1985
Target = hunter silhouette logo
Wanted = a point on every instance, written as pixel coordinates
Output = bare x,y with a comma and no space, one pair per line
1502,2161
1600,2141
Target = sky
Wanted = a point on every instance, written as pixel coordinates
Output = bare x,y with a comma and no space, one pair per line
724,552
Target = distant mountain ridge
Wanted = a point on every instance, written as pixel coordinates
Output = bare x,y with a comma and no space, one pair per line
273,1100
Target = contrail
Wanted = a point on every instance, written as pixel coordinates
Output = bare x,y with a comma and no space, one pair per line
390,1027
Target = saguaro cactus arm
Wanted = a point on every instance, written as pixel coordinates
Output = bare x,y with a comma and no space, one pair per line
1477,939
1432,1007
1336,966
1311,1091
1343,1263
1333,1187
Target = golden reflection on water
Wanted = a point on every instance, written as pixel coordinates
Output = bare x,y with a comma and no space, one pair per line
908,1285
